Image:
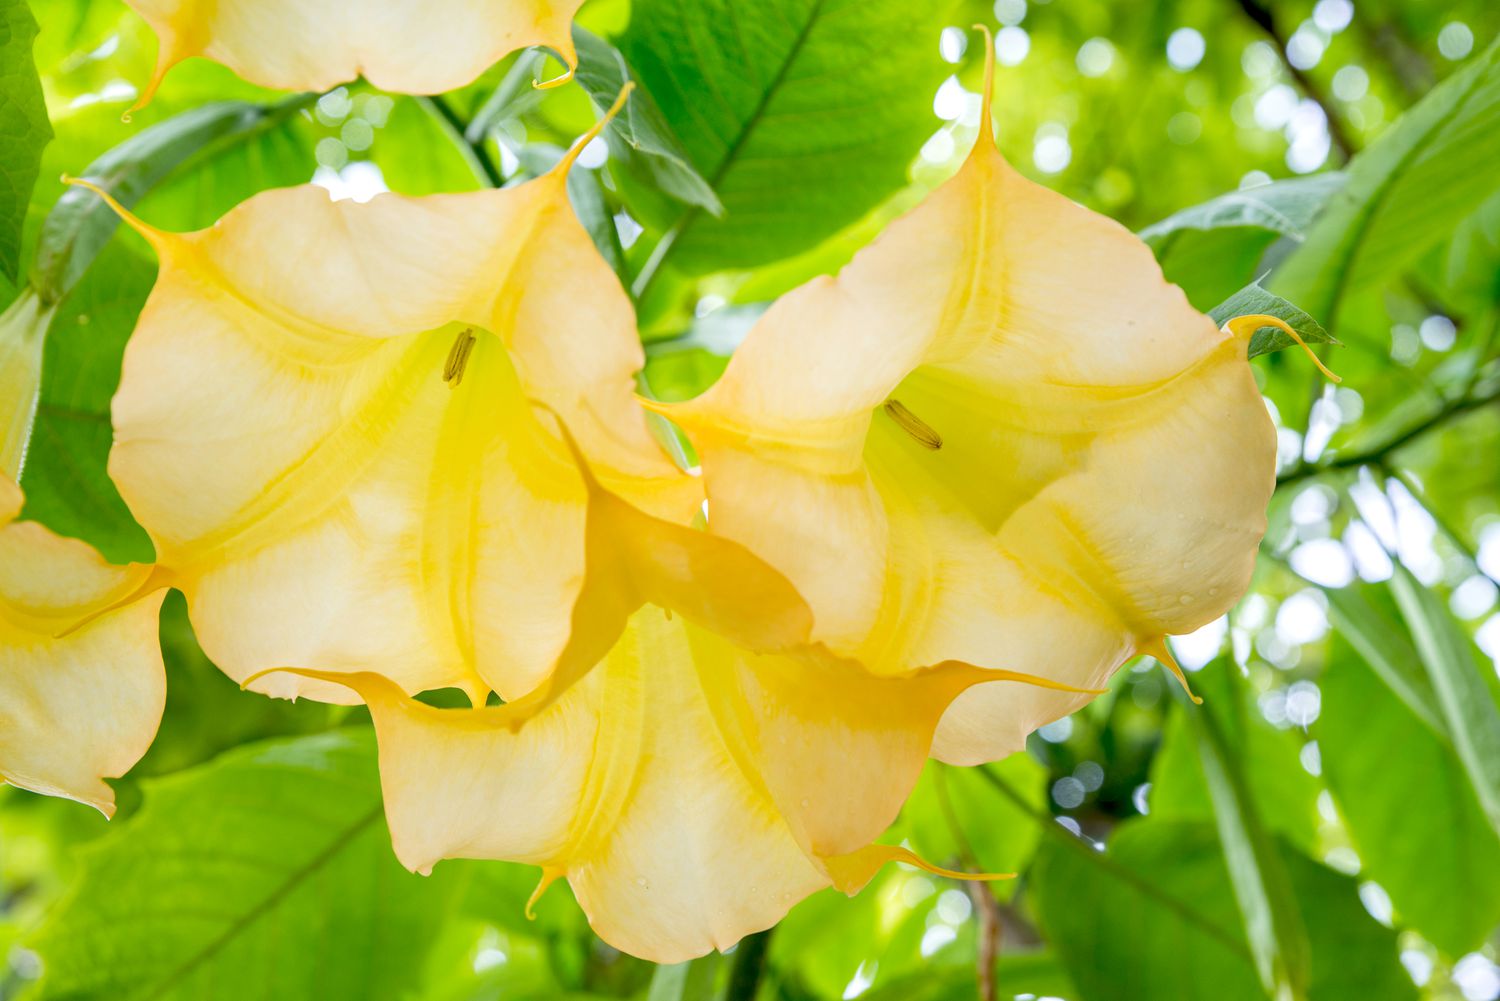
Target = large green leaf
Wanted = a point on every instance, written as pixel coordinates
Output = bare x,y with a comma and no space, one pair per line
1124,940
1387,649
1412,814
1285,208
1447,654
1273,927
1405,192
801,114
1285,794
265,873
24,129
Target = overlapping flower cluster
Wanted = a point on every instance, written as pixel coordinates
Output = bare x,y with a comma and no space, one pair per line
392,447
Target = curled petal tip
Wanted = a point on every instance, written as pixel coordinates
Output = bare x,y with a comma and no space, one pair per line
595,130
556,81
549,876
1157,649
1246,326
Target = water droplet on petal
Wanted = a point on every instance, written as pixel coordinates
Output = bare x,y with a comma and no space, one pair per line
1186,599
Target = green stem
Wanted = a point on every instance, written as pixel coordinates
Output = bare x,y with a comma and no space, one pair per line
1376,455
749,966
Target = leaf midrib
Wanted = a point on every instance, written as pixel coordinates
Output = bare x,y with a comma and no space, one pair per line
278,894
750,124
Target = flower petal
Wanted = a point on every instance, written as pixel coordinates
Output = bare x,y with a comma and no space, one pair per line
998,436
692,771
81,679
319,490
404,46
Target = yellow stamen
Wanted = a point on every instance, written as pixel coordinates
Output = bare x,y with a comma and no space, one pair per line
1246,326
913,425
593,133
1157,649
458,357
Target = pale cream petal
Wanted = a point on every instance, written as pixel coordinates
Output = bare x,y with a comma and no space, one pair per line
404,46
319,491
81,679
998,436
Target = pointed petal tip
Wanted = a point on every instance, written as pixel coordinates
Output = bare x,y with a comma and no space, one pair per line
153,235
550,875
1244,327
1157,650
594,131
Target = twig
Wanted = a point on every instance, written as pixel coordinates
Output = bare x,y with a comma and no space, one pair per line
988,908
1260,13
1377,454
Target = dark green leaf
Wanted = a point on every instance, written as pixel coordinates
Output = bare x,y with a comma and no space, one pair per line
1412,814
1253,299
639,135
66,482
802,114
80,224
1122,943
266,873
1405,192
24,128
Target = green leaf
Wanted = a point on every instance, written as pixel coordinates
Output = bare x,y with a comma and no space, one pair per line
80,224
1285,207
1412,815
1286,796
1406,191
690,981
265,873
1253,299
66,481
802,114
24,128
639,135
1447,655
1388,651
1123,940
956,817
1273,926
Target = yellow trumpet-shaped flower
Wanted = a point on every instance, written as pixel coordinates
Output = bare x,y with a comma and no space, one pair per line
711,770
323,423
998,436
81,679
407,46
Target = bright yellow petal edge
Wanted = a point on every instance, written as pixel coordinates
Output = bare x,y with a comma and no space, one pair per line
692,767
324,423
402,46
998,436
82,685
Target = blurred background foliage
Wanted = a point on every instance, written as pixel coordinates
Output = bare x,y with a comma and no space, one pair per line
1326,826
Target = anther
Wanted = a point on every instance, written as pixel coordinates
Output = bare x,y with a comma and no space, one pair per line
458,357
913,425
